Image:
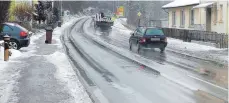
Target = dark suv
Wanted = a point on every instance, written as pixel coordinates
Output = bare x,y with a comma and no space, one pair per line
19,36
148,37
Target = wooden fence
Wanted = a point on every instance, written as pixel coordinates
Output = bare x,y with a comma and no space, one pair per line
187,35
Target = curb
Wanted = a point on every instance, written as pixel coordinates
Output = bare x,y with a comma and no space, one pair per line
192,56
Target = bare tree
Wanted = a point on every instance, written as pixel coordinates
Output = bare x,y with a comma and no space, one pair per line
23,11
4,10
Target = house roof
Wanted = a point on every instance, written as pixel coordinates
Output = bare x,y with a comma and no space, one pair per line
179,3
203,5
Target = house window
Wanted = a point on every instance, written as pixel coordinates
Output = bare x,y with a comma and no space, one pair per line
191,17
173,18
221,13
215,14
182,18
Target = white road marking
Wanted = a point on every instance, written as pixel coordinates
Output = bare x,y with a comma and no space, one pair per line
208,83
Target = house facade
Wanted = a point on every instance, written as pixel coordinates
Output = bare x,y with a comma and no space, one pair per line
199,15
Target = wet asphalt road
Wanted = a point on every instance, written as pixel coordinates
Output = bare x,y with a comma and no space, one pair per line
115,79
187,64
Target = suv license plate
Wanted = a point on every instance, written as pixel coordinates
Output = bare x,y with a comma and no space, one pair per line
155,39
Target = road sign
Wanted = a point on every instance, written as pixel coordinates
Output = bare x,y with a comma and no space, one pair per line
120,11
139,13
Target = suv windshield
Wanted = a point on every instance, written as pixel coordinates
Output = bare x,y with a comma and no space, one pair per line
154,31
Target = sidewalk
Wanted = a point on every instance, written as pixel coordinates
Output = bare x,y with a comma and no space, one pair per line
40,74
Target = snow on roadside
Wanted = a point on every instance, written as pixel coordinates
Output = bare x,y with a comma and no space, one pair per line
1,54
179,44
9,77
7,83
67,76
178,3
118,26
36,36
65,73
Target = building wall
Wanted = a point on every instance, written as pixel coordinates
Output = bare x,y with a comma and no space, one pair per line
227,17
200,18
187,17
220,26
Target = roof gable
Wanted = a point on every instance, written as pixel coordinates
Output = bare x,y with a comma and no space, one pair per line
180,3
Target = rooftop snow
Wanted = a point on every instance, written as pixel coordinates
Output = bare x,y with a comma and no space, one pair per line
179,3
204,5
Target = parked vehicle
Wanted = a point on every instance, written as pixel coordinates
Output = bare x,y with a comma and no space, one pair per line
19,36
148,37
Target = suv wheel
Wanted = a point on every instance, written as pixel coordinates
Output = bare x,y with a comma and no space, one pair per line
13,44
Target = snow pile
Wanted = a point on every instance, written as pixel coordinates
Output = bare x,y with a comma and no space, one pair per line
198,50
180,45
15,54
7,83
8,77
67,18
123,19
178,3
119,26
58,31
89,9
67,76
1,53
31,49
36,36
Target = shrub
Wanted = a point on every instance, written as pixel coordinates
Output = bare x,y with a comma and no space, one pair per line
23,11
